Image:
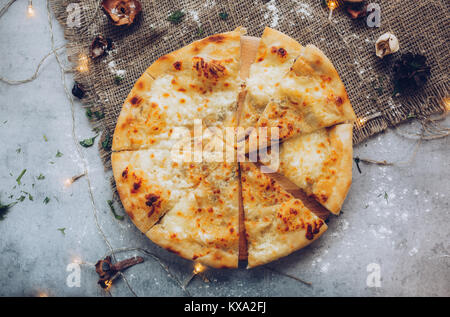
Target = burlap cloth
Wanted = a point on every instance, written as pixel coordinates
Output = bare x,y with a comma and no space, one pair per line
421,27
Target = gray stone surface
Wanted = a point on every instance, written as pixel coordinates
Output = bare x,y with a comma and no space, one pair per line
405,231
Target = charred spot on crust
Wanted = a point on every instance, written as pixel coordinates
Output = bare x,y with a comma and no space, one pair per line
125,173
213,69
140,85
313,229
339,101
153,202
150,199
136,186
215,38
136,100
281,52
177,65
172,250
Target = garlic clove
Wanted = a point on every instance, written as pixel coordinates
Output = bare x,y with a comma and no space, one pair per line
386,44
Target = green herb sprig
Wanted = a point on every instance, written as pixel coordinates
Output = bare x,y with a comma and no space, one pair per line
107,143
113,210
88,142
176,17
223,16
19,178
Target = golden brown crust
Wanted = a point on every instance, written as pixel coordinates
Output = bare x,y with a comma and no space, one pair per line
341,138
313,58
286,46
276,223
311,96
144,201
192,209
204,226
275,55
320,163
125,137
217,47
198,81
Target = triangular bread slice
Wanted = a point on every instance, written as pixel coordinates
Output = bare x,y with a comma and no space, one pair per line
150,182
276,223
311,96
198,81
275,56
204,225
320,163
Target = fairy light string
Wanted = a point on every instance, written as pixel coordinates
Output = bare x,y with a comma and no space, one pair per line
429,126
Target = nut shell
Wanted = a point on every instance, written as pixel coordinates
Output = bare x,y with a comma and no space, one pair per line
386,44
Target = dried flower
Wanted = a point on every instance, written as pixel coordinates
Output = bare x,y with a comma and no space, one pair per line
410,73
78,90
100,46
356,8
122,12
107,271
386,44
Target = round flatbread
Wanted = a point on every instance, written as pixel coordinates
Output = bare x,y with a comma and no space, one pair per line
186,190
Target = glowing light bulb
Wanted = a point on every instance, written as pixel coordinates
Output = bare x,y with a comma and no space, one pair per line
68,182
108,284
198,268
362,121
83,63
76,260
332,4
447,103
30,9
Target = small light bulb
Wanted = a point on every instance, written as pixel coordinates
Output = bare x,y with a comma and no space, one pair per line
332,5
83,63
447,103
198,268
68,182
76,260
108,284
362,121
30,10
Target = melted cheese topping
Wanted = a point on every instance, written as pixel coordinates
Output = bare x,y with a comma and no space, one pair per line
275,222
204,226
303,158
